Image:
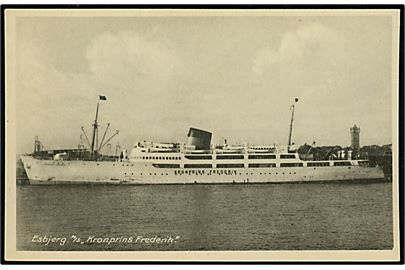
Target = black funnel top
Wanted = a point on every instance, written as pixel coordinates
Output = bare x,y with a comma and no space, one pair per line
201,139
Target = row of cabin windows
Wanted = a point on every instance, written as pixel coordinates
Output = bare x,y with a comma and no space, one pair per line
317,164
291,165
262,156
220,172
161,158
230,166
262,165
230,157
364,163
287,156
342,163
240,157
197,166
166,165
236,165
198,157
252,165
324,164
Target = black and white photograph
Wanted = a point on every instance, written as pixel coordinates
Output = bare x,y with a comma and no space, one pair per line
152,134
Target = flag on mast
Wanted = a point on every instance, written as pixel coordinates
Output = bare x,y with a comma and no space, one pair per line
102,97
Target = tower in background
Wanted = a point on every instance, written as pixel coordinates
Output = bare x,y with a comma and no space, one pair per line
355,138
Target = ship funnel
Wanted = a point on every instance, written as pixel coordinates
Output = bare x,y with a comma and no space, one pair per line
198,138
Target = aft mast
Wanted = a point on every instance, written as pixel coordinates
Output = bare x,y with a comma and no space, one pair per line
291,123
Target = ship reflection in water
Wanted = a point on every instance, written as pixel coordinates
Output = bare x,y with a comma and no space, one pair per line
291,216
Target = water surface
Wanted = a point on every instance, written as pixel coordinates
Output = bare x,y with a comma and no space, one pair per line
315,216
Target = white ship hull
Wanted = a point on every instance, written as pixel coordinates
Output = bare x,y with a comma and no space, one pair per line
107,172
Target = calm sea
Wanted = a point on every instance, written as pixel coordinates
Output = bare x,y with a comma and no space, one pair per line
205,217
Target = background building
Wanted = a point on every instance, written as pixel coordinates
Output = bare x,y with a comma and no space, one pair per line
355,139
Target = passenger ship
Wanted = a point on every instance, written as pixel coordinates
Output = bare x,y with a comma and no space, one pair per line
197,161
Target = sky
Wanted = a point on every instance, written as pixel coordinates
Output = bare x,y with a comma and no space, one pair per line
234,76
